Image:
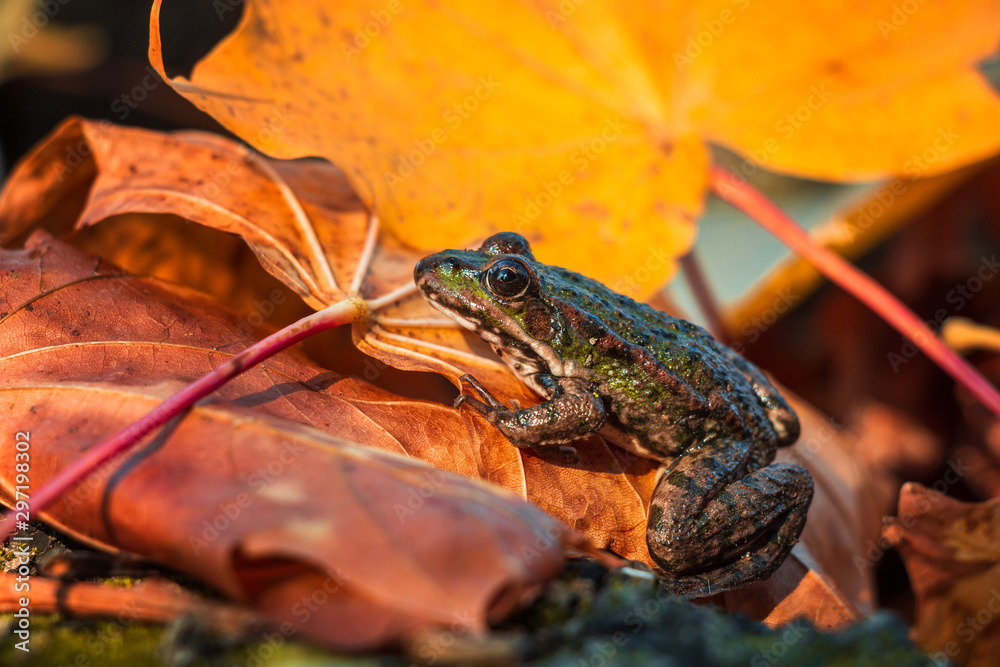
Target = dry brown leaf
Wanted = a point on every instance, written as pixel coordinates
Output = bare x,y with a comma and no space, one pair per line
261,507
87,171
952,553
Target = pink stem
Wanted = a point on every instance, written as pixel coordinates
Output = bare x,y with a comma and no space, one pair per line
350,310
755,205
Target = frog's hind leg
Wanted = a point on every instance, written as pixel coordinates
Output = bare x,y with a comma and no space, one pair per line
713,531
751,567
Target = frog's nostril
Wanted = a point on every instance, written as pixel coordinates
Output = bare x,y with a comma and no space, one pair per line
434,265
445,265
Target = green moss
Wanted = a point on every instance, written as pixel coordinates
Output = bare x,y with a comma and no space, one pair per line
616,619
121,582
62,642
9,560
58,641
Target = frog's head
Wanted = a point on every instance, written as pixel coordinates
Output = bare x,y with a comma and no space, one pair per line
496,291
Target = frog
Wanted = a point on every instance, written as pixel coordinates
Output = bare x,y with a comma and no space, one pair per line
722,514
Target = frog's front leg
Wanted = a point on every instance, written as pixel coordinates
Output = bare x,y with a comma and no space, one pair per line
572,412
713,530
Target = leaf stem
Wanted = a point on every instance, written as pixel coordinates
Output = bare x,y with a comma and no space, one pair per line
766,213
353,309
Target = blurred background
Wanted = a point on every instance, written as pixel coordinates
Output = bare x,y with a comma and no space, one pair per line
89,57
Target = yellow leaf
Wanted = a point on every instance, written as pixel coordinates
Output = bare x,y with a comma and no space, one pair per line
583,125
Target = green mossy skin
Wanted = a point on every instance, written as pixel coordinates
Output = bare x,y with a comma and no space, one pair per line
665,381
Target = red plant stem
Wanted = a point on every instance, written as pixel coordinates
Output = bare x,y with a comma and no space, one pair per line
350,310
755,205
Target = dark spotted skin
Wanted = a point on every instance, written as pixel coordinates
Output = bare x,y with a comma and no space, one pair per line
722,515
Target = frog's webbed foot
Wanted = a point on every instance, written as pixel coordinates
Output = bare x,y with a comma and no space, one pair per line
573,413
713,533
491,405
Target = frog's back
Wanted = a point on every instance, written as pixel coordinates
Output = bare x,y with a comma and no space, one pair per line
667,378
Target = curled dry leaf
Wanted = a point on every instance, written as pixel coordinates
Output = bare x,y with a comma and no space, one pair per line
86,172
952,553
266,509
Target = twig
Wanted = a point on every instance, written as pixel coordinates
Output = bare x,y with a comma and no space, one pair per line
150,601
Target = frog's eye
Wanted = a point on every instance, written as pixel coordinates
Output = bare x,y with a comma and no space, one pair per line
507,279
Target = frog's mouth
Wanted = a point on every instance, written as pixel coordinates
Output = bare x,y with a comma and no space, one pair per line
523,364
474,326
448,285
